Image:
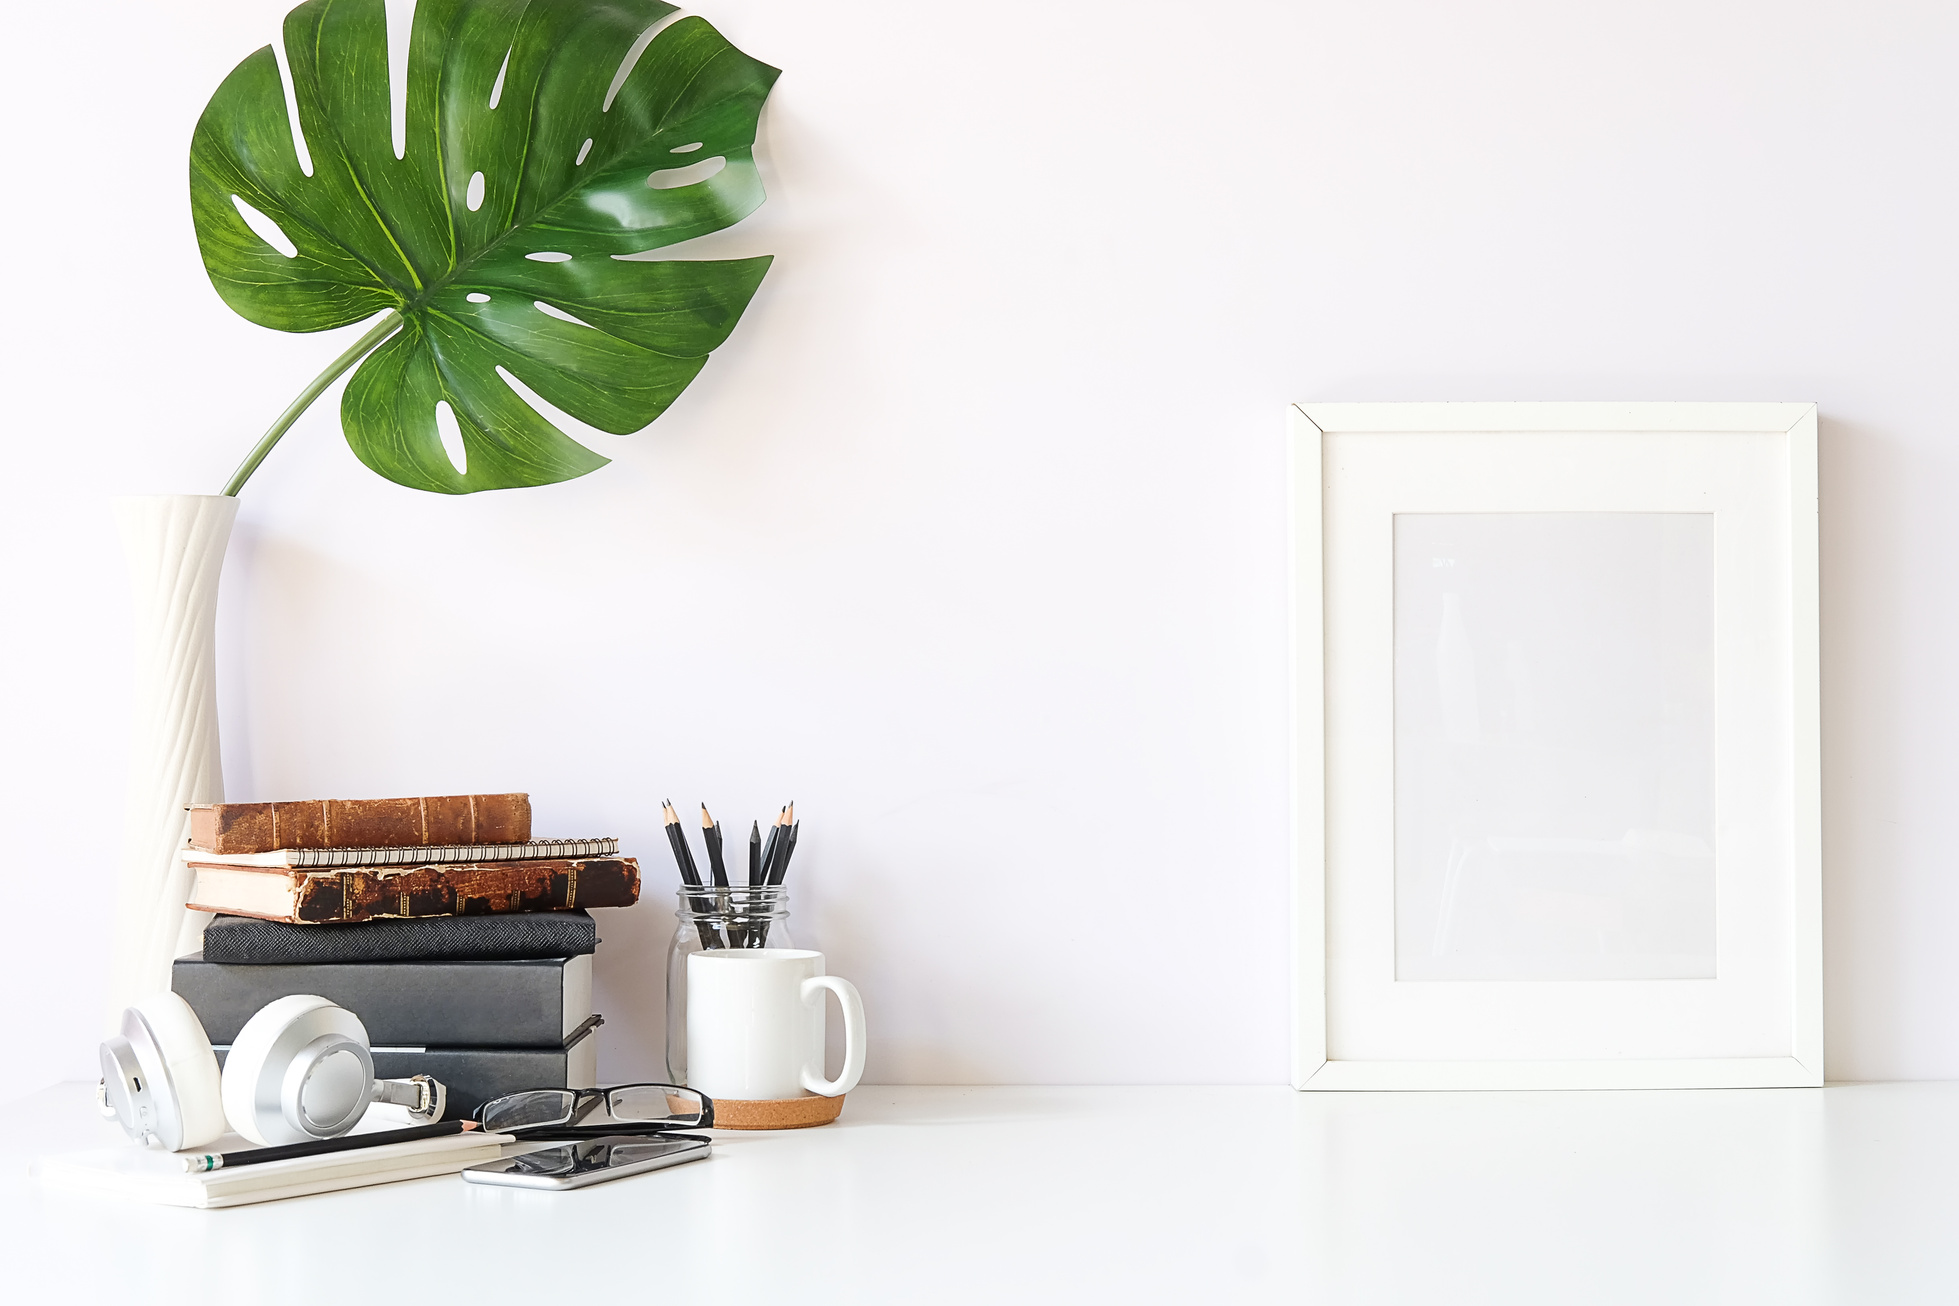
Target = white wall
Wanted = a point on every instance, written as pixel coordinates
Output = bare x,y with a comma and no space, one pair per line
971,540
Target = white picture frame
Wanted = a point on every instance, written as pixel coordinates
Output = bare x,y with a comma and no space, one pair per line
1740,480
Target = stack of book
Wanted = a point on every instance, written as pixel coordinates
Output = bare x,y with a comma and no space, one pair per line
461,943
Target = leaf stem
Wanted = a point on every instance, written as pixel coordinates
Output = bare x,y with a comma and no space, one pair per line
387,326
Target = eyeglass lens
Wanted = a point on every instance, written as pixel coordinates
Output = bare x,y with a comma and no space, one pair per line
652,1103
551,1106
626,1104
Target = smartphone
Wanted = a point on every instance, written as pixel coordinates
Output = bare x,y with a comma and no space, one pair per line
589,1161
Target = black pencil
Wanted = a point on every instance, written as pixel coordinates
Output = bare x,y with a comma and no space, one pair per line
711,836
788,848
321,1146
784,848
769,850
754,852
773,866
683,856
690,875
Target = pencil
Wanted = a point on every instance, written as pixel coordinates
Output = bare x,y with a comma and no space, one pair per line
768,851
711,836
780,866
788,848
690,875
683,856
319,1147
754,852
784,848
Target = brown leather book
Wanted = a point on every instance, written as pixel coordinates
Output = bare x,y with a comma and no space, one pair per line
360,823
369,893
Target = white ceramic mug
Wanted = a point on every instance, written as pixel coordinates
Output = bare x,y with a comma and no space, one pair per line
755,1025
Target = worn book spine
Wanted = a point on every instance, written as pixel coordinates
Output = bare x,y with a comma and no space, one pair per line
361,823
535,1004
381,893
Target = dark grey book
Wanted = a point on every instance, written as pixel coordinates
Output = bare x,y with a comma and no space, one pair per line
473,1076
515,936
536,1003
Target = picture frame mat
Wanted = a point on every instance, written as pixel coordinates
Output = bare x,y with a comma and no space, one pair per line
1795,425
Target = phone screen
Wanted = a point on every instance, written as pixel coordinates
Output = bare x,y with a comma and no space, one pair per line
589,1160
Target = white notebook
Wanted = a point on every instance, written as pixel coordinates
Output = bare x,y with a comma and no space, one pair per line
158,1177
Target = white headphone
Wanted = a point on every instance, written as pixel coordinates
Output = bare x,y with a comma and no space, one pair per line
299,1069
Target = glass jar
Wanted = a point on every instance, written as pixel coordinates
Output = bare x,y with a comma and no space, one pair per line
739,916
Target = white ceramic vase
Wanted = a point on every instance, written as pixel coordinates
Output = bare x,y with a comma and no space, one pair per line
175,545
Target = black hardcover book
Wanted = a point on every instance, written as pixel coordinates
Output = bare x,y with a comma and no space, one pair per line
473,1076
469,1004
515,936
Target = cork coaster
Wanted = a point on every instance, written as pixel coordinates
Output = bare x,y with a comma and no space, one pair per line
790,1113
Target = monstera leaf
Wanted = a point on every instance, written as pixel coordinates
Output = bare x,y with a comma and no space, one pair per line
544,139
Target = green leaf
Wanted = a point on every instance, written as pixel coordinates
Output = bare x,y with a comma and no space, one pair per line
570,169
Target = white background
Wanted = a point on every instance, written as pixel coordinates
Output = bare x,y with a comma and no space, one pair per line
972,540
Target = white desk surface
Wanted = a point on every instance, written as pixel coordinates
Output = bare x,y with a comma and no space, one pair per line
1012,1195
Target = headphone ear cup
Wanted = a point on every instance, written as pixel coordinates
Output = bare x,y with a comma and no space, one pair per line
185,1070
245,1066
283,1040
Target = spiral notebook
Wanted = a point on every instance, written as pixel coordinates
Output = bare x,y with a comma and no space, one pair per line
419,855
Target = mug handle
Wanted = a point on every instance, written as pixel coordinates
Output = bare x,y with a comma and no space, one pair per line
853,1037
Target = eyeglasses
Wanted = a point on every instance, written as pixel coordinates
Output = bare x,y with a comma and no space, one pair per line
575,1112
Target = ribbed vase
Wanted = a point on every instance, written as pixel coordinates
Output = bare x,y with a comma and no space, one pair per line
175,545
